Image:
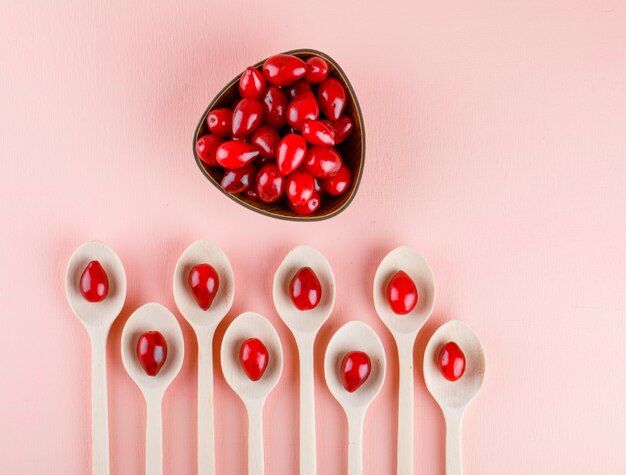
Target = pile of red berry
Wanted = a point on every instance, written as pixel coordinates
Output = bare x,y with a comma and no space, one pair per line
274,141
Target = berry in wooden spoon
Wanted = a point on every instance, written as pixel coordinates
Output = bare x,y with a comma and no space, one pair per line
94,283
152,352
204,283
305,289
451,361
402,293
254,358
355,369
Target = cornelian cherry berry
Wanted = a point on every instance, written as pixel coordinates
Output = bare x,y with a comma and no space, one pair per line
451,361
266,140
254,358
275,105
152,352
252,84
220,121
290,153
270,183
206,146
301,108
239,179
305,289
297,88
322,162
343,127
307,208
401,293
332,98
235,154
300,187
94,283
247,117
338,184
283,69
204,283
355,369
316,70
316,132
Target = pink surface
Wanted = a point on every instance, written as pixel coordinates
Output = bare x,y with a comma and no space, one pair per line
496,146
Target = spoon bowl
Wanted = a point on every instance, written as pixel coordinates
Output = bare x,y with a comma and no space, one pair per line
100,314
410,261
457,394
308,321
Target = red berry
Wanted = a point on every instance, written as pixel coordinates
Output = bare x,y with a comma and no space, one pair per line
316,70
252,84
152,352
220,122
290,153
402,293
204,283
235,154
239,179
343,126
283,69
297,88
322,162
94,283
206,146
301,108
307,208
316,132
247,117
300,187
451,361
355,369
338,184
266,139
270,183
305,289
254,358
275,105
332,98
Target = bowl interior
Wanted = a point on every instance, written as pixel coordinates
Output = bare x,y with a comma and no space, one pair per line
352,150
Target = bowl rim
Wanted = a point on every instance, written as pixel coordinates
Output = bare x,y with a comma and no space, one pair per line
302,218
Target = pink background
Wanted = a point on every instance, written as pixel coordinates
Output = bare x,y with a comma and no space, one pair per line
496,145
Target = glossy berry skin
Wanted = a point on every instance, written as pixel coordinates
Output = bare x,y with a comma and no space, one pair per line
270,183
305,289
451,361
300,187
266,140
401,293
206,147
275,104
252,84
152,352
252,193
316,70
283,69
303,107
94,283
318,187
204,283
316,132
355,369
338,184
307,208
254,358
343,127
290,153
235,154
247,117
332,98
297,88
220,122
239,179
322,162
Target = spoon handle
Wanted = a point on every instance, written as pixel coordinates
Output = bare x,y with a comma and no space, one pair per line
206,426
99,405
355,443
405,408
307,409
154,436
454,462
256,460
